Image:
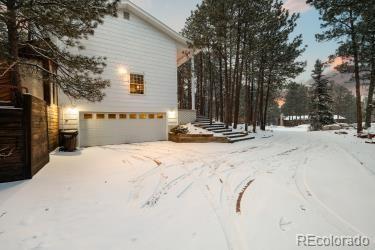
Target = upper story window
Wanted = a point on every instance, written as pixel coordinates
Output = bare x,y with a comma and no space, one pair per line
137,84
126,15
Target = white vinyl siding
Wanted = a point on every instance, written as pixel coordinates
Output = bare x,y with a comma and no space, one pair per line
133,46
141,48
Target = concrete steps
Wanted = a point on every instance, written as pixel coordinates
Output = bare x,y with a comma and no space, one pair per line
213,129
213,126
222,131
220,128
245,138
237,135
231,132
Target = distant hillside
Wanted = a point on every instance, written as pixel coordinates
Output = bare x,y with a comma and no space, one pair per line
346,80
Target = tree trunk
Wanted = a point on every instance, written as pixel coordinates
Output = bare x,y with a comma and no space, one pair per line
261,94
356,73
221,90
13,41
256,110
266,105
267,99
247,98
251,102
370,106
199,84
211,88
180,88
189,101
231,86
202,92
227,92
237,77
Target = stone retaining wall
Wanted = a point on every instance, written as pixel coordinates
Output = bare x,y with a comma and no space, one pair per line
196,138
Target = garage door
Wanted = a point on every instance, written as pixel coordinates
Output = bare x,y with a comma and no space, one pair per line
117,128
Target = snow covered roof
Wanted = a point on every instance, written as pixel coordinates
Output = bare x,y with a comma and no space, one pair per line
306,117
131,7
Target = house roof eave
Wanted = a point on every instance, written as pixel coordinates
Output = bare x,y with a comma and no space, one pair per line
178,38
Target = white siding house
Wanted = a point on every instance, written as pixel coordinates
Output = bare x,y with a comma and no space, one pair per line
142,58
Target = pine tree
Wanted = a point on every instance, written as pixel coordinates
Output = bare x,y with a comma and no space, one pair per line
249,54
296,100
367,30
35,24
321,100
341,20
343,102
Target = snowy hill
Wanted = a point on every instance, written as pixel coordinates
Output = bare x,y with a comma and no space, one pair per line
345,80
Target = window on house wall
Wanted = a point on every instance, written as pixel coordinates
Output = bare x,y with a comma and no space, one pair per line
47,91
54,94
126,15
87,116
160,116
112,116
151,116
122,116
142,116
100,116
137,84
48,85
133,116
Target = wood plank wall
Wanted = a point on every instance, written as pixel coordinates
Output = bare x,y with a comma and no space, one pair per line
53,126
37,134
5,93
12,142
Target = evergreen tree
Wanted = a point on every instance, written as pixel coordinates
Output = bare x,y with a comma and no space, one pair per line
367,30
321,100
341,20
35,24
343,102
296,100
248,53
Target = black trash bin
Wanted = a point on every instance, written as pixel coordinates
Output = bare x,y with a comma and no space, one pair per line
68,140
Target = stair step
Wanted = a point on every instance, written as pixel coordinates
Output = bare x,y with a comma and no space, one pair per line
5,103
212,126
215,128
204,122
221,130
7,107
249,137
238,135
201,122
231,132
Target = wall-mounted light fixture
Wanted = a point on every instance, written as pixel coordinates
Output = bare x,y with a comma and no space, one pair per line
72,111
122,70
172,114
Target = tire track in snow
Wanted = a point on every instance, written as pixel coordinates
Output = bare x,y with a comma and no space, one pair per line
226,220
330,215
240,195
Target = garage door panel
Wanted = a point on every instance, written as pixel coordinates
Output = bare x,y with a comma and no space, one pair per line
95,132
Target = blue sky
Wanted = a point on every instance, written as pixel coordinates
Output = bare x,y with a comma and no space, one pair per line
308,26
174,13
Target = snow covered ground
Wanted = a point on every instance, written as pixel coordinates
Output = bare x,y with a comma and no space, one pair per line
254,194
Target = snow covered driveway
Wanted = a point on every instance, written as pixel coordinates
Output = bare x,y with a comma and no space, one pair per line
251,195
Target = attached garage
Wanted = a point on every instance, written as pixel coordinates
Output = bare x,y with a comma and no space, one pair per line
97,129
